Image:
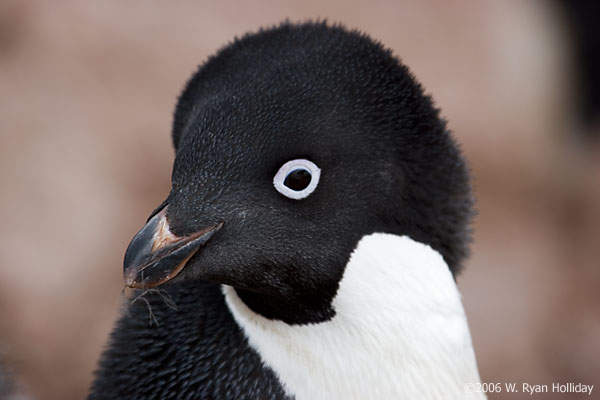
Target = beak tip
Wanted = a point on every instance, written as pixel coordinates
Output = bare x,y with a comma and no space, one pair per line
129,278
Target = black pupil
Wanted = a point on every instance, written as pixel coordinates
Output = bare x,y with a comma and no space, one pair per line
298,179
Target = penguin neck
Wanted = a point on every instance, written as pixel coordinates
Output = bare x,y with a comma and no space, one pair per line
298,311
399,330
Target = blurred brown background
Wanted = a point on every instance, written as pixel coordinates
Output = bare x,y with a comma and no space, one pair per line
87,90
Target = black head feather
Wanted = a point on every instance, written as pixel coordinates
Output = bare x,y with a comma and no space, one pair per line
335,97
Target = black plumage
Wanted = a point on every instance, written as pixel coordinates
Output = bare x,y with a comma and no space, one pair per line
195,352
311,91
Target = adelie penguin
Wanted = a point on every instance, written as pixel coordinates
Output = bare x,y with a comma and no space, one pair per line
318,214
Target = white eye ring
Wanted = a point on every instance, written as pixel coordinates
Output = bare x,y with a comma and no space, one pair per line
292,166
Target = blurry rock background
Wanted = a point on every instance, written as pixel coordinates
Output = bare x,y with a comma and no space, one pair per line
87,90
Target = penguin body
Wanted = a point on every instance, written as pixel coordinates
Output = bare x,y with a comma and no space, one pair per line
195,352
318,214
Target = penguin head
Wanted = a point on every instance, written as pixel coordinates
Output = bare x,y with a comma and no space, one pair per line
291,145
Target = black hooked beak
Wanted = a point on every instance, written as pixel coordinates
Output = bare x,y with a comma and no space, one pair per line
155,255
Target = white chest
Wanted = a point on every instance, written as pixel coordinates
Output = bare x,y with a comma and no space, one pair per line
399,331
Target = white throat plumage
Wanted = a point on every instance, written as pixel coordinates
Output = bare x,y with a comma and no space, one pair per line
399,332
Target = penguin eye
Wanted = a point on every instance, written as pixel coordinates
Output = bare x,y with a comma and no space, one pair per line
297,179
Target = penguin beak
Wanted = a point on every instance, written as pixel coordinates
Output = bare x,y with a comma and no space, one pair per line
155,255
